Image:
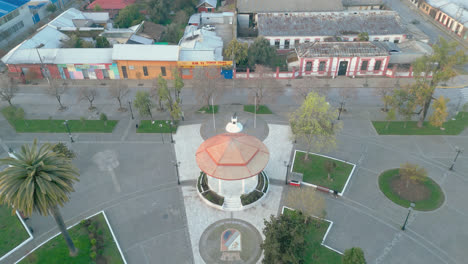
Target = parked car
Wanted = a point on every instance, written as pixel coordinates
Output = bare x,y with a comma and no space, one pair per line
209,27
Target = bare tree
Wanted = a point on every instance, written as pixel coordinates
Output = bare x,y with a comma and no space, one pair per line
56,90
307,200
157,93
266,87
8,89
88,94
345,94
207,84
385,94
306,85
118,90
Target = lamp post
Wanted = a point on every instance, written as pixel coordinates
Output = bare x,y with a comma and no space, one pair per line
130,105
255,109
162,137
458,150
68,129
407,216
176,165
340,109
287,171
170,130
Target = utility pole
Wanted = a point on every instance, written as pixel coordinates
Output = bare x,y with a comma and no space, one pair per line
43,69
130,105
212,108
458,150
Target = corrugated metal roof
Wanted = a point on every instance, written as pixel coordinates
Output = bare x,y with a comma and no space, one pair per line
362,2
135,39
329,24
194,19
60,56
339,49
47,38
66,18
7,6
210,2
197,55
457,9
97,17
111,4
145,52
262,6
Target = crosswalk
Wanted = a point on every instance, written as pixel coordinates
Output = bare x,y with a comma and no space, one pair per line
464,94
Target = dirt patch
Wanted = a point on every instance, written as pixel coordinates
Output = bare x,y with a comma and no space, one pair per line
414,192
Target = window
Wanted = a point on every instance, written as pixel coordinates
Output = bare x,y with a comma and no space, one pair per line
309,66
322,66
364,65
296,42
163,71
124,72
6,33
317,39
286,44
396,40
145,70
85,73
386,39
307,41
277,42
376,39
377,65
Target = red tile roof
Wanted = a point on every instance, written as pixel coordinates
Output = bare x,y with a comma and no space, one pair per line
111,4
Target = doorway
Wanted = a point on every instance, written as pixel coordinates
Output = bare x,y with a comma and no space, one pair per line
343,67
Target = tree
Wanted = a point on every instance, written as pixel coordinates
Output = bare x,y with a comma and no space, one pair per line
440,114
39,180
158,10
157,94
56,90
76,42
363,36
391,115
441,64
178,84
412,173
8,89
399,101
385,94
237,51
306,200
97,8
173,33
164,95
313,122
285,238
89,94
62,149
118,90
261,52
265,86
143,103
51,8
103,117
102,42
345,93
206,84
306,85
129,16
354,255
329,167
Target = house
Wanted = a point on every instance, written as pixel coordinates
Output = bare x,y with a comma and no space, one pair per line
145,61
403,55
206,6
111,6
147,33
288,30
452,14
363,4
331,59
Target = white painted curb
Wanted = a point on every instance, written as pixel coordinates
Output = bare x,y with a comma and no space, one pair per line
22,243
328,157
108,225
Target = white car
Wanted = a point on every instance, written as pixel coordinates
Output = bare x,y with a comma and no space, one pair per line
209,27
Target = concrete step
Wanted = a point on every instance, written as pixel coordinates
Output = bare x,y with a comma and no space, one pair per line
232,204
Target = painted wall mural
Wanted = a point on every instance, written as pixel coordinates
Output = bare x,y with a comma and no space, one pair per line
89,71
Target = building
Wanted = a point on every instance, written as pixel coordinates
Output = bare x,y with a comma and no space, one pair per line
403,55
147,33
452,14
363,4
111,6
145,61
286,31
206,6
331,59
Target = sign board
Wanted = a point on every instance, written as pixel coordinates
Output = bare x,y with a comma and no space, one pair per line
193,64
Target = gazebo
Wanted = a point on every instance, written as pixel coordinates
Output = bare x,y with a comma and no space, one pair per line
232,162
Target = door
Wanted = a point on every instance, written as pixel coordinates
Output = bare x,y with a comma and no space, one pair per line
343,67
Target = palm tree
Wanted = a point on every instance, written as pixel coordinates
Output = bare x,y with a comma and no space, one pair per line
38,179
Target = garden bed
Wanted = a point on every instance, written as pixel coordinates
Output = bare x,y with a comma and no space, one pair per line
159,126
259,191
12,232
204,190
315,173
262,109
208,109
93,238
426,195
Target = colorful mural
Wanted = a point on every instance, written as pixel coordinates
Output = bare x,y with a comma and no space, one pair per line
89,71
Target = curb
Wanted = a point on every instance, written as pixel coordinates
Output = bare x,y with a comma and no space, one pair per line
22,243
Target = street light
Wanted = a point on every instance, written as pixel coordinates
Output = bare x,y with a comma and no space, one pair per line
176,165
170,129
287,171
68,129
458,150
407,216
162,137
340,109
130,105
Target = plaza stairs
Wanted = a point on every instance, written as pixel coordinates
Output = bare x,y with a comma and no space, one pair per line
464,93
232,204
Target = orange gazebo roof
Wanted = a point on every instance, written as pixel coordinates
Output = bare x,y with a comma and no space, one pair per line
232,156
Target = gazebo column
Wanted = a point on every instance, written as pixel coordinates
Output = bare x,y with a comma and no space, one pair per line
243,186
220,190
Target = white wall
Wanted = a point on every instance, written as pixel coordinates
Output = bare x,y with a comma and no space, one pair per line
25,16
332,66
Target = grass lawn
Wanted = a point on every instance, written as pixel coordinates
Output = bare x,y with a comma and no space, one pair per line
433,202
146,126
263,109
56,251
315,173
452,127
208,109
12,232
316,253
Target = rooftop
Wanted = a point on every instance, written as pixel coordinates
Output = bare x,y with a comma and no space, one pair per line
340,49
145,52
197,55
151,30
111,4
458,9
66,18
200,39
329,23
262,6
60,56
210,2
362,2
6,6
409,51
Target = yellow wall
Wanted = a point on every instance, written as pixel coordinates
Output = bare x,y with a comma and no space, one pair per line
154,69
